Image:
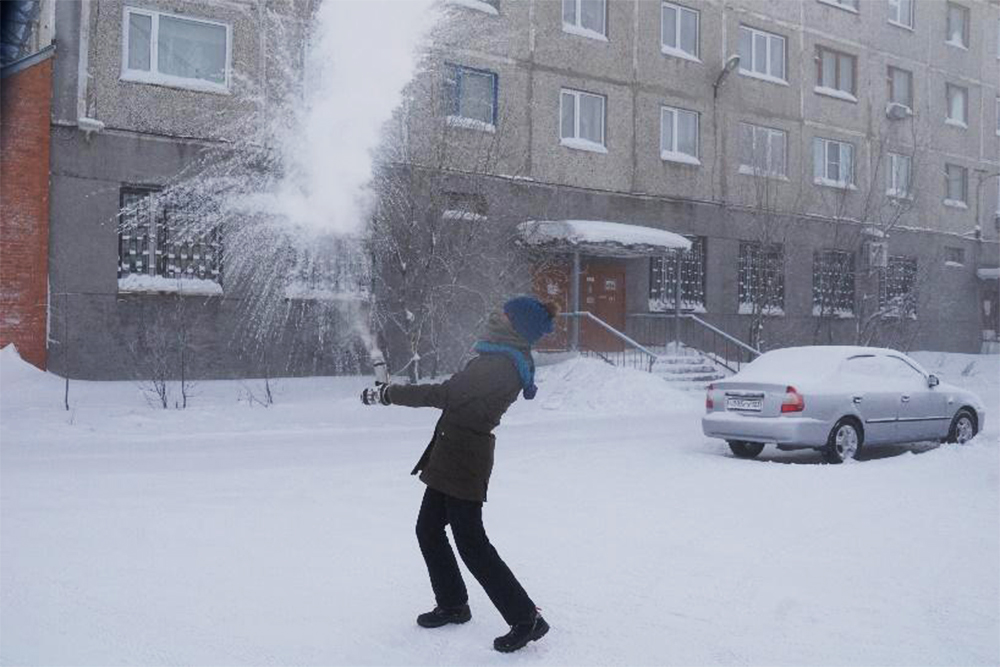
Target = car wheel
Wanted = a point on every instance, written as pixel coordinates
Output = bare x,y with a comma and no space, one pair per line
746,450
963,427
844,442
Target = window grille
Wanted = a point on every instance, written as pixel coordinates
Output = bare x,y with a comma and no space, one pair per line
761,277
662,278
833,283
148,245
898,287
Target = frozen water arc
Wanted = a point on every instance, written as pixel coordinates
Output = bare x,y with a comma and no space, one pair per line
287,194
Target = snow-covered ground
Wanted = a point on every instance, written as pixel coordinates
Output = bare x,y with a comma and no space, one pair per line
233,534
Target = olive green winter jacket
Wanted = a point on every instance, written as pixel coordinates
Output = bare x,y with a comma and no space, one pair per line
459,459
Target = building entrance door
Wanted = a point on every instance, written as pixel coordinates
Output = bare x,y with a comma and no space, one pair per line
551,283
602,292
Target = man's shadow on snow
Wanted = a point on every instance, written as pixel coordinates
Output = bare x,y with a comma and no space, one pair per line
772,454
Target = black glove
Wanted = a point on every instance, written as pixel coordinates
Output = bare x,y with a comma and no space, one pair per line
379,394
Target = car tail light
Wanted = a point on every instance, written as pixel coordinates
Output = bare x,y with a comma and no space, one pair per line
709,403
793,401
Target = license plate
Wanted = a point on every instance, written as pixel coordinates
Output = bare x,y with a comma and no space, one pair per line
744,404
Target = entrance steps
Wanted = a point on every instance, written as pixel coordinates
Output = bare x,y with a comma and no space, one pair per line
690,372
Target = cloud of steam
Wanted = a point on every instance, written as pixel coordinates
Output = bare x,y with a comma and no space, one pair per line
362,54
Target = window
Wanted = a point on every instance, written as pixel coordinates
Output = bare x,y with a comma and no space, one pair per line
175,51
762,54
679,135
901,12
464,206
955,256
833,163
956,180
897,287
833,283
679,30
850,5
582,120
762,150
148,248
585,17
761,279
471,96
958,98
958,26
663,282
901,87
900,176
835,73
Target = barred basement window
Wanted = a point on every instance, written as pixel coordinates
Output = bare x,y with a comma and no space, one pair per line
464,206
898,288
662,279
761,278
153,257
833,283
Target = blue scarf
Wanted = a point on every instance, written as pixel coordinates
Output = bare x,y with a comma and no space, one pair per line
524,368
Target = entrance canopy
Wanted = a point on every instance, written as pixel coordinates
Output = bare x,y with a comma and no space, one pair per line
599,238
988,273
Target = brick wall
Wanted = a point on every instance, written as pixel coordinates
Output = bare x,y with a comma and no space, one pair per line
25,102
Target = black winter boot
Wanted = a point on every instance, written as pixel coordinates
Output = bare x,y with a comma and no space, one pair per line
520,634
443,616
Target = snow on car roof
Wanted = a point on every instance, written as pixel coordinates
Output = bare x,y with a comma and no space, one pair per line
604,236
802,365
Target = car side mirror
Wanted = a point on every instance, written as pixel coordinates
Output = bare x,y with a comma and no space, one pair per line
932,381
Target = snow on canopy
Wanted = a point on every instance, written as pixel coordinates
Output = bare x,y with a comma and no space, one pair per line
988,274
600,237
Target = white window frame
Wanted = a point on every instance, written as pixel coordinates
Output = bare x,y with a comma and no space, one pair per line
836,91
576,28
153,76
893,188
895,9
765,76
576,141
966,31
677,50
846,184
846,5
753,170
957,122
671,153
957,203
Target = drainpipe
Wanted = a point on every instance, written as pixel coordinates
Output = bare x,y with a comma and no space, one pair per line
677,301
83,121
574,295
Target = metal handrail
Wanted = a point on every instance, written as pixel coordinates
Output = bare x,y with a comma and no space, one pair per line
735,341
610,329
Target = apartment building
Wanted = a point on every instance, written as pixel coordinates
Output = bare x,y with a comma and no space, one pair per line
139,89
834,162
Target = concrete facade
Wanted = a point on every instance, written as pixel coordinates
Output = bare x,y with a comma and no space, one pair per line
144,134
535,57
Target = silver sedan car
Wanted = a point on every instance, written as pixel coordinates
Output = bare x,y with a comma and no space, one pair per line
836,399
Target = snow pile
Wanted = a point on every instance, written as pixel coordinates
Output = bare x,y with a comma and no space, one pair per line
229,533
591,386
19,380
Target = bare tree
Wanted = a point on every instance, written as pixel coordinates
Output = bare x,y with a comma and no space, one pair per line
441,240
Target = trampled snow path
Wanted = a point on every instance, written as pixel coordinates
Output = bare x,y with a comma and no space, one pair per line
225,534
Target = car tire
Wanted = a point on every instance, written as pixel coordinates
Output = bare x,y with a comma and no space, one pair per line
844,442
963,427
746,450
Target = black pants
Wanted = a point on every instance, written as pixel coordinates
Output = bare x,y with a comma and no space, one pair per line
466,518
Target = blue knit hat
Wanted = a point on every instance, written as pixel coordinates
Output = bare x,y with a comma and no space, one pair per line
529,317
